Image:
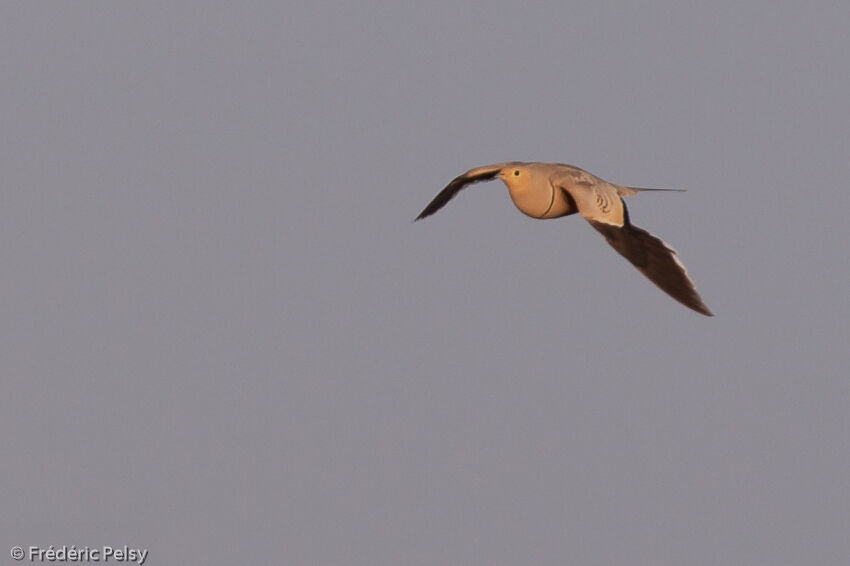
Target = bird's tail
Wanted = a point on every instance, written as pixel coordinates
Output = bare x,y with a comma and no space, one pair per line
630,191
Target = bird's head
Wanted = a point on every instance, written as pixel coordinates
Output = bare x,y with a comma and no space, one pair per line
516,176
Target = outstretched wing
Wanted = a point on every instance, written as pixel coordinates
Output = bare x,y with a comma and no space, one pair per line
655,259
600,204
472,176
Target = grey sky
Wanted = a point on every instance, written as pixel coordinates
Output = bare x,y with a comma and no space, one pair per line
222,338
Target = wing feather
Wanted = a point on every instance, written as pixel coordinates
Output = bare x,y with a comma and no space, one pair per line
601,205
655,259
476,175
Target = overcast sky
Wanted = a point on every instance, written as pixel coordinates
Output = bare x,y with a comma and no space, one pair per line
222,338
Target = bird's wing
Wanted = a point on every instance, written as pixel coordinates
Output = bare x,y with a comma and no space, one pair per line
476,175
606,211
655,259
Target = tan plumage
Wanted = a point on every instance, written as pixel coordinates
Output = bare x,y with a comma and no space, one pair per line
552,190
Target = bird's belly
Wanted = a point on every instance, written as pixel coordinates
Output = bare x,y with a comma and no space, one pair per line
543,203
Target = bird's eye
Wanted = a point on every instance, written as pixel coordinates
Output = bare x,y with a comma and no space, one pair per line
516,172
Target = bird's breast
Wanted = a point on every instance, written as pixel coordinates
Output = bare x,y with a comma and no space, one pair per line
542,201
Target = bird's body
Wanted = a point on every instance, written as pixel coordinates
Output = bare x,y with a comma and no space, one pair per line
552,190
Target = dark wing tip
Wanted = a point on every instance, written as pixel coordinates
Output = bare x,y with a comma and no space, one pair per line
453,188
700,308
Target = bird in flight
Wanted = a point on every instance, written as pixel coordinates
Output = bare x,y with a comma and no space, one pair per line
552,190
